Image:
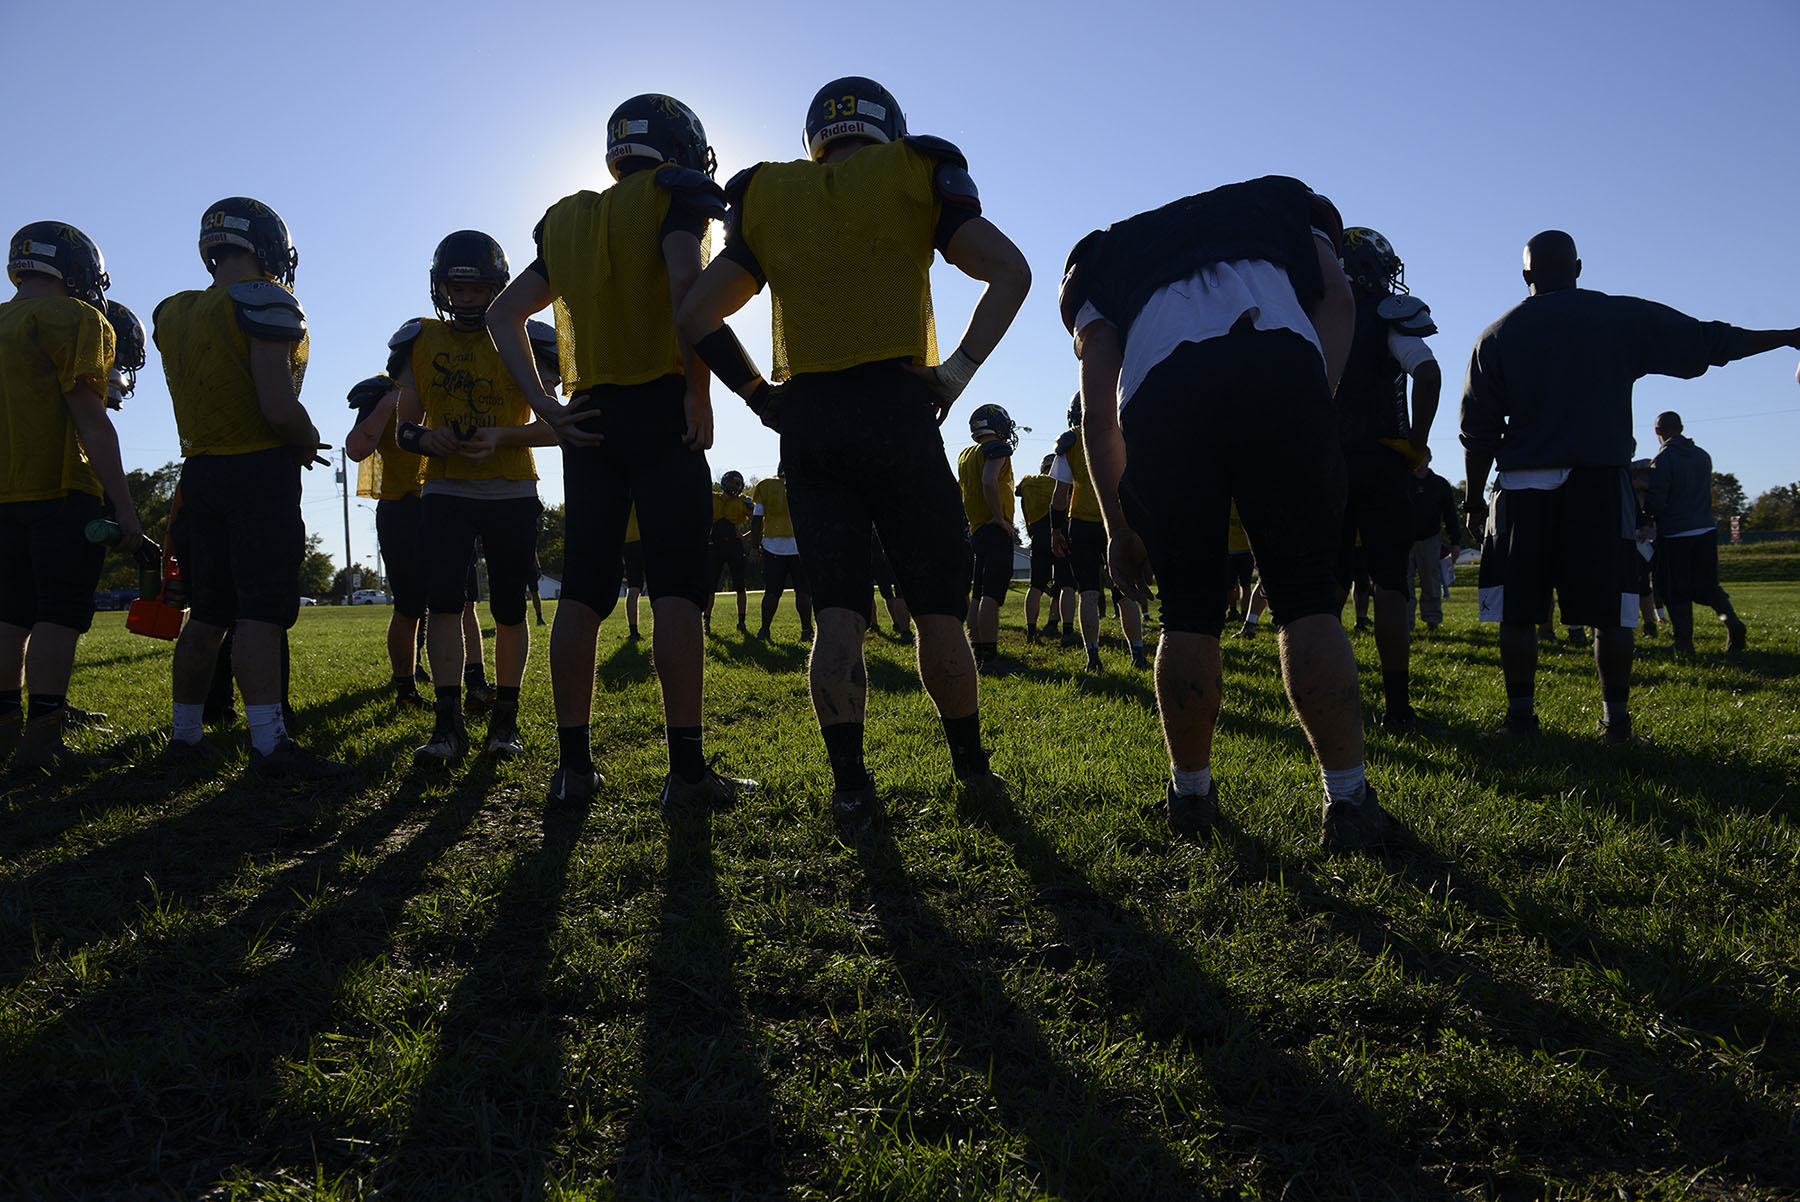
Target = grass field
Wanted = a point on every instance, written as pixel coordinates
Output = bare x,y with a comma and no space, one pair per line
1581,980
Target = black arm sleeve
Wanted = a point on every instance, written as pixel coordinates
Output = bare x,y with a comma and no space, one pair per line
682,220
739,252
537,265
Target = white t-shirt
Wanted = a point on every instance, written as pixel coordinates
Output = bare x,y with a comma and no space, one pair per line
1203,307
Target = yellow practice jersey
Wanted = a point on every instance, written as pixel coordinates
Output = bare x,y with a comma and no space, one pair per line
1236,538
735,510
615,323
969,467
631,527
847,249
206,360
1034,498
48,346
1084,503
390,473
771,495
463,385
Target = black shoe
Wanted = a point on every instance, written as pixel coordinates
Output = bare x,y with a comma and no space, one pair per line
1070,638
763,634
447,746
996,665
1363,626
1192,813
1357,825
503,741
1734,634
574,785
421,675
742,628
1140,659
712,791
411,703
904,637
1621,735
1407,722
855,810
1093,661
186,757
1246,631
806,634
480,697
1515,729
76,718
290,761
634,636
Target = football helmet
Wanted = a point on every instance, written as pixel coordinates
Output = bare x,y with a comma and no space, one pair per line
129,352
238,221
467,257
996,422
852,107
659,128
364,394
1075,411
61,252
542,337
1369,260
732,483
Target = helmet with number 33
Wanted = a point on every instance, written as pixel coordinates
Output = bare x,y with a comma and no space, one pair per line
852,107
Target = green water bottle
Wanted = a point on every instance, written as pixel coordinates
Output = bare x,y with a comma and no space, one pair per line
104,531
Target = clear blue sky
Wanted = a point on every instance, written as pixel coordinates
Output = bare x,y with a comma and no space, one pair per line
1660,134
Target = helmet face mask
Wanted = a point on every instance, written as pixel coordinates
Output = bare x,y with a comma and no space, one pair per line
466,260
1370,261
61,252
657,129
732,483
852,107
993,421
240,223
130,351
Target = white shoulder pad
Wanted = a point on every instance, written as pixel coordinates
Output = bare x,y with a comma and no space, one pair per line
267,310
407,334
1408,314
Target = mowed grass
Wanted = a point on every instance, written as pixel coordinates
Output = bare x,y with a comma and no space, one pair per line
1581,980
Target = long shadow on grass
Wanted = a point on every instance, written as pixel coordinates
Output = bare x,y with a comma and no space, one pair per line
1308,1135
164,1076
753,652
1708,1118
703,1126
1077,1144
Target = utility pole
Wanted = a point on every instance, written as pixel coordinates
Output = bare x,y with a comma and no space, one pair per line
343,476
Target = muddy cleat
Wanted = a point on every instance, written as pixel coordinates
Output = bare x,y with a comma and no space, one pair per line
712,791
1734,634
1621,735
1357,825
290,761
41,747
180,756
763,633
447,746
503,741
1407,722
574,785
480,697
996,665
1070,638
1514,729
854,811
904,637
1192,813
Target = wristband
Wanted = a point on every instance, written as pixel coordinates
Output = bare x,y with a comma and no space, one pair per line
1059,520
953,374
724,354
410,438
765,402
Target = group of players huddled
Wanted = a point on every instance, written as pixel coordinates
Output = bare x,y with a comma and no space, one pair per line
1207,317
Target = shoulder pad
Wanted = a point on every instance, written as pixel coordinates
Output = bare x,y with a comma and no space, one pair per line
955,187
407,334
936,148
997,448
739,184
694,189
365,394
1408,314
267,310
1066,441
156,313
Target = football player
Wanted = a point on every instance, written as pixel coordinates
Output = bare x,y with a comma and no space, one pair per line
1085,544
458,408
234,355
984,473
632,556
391,476
845,240
62,471
1049,571
1382,445
730,515
772,534
637,425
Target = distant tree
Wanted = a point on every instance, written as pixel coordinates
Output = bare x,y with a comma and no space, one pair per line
151,493
362,574
316,573
1777,509
551,532
1727,499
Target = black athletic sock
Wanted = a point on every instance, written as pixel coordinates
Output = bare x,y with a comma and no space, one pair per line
448,708
572,746
474,674
687,753
1398,689
405,686
986,651
964,737
45,704
508,695
844,747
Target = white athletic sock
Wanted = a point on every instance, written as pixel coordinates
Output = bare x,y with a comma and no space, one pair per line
266,727
1345,784
1191,784
188,723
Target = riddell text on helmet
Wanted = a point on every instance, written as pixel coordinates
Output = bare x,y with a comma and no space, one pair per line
840,128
